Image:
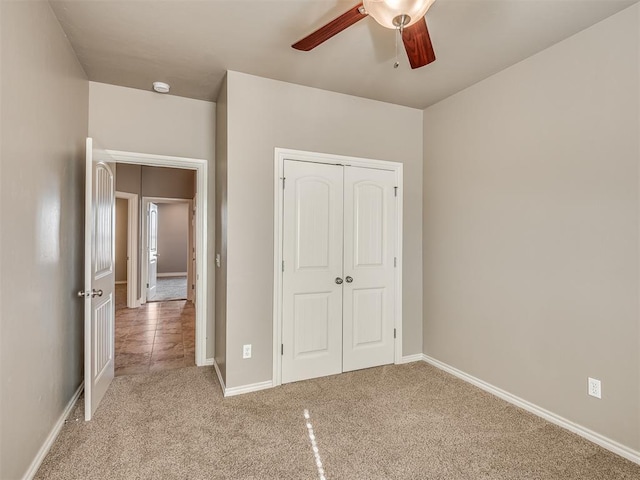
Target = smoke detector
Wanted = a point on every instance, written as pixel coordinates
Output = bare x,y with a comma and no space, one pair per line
161,87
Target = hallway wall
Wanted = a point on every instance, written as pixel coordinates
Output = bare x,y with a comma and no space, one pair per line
173,237
122,224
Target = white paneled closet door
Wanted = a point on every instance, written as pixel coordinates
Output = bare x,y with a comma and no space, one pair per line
339,294
312,279
369,249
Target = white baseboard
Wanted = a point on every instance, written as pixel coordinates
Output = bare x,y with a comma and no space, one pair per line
53,434
215,365
209,362
253,387
418,357
172,274
230,392
584,432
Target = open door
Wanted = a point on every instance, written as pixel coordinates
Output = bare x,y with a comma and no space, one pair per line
99,278
152,245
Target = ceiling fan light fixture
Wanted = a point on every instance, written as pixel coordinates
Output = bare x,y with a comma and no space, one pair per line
397,13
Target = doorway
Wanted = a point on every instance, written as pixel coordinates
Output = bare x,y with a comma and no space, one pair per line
338,229
157,325
167,236
126,249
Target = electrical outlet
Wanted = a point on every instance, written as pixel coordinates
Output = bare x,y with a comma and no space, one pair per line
246,351
594,388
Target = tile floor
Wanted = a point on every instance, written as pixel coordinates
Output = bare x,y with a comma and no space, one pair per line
156,336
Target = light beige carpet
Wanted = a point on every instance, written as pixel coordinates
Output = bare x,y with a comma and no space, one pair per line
397,422
169,288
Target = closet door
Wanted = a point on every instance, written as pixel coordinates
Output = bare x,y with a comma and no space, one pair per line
312,278
369,246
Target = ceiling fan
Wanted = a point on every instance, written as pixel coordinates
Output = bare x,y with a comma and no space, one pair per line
405,16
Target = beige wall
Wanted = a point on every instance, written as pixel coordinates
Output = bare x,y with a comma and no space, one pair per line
122,118
221,230
168,182
264,114
132,120
155,181
44,110
129,178
531,228
122,226
173,237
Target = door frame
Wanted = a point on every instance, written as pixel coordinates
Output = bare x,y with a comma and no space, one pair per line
132,246
145,239
282,154
201,277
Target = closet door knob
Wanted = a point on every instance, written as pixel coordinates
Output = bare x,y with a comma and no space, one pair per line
338,280
349,279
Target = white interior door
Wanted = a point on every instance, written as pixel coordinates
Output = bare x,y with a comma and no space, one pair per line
312,252
152,246
99,277
369,246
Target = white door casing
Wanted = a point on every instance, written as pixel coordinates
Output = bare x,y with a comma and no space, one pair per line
369,288
152,245
200,166
191,256
99,277
312,300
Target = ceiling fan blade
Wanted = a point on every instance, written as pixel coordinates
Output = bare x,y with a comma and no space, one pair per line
330,29
418,44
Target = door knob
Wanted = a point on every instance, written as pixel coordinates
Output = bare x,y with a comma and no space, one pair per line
349,279
338,280
92,293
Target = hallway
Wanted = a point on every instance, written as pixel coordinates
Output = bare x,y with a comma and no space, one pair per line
156,336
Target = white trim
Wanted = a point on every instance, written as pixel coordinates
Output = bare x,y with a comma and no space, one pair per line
253,387
584,432
201,234
280,155
53,434
218,373
231,392
209,361
132,246
418,357
172,274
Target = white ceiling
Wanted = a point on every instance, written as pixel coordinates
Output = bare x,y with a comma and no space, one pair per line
191,43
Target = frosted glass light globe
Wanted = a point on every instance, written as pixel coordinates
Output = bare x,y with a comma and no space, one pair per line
384,11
